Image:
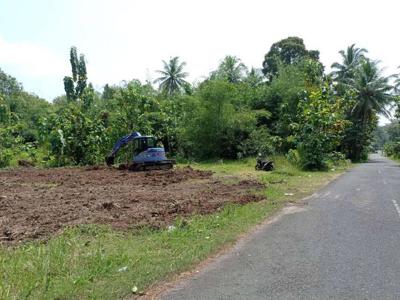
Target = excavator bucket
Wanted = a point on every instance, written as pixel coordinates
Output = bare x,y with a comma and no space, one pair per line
109,160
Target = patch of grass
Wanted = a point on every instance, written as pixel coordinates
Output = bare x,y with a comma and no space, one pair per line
227,167
394,158
89,261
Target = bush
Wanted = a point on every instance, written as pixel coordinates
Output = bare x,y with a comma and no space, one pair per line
392,149
335,159
259,141
6,156
75,138
293,157
11,143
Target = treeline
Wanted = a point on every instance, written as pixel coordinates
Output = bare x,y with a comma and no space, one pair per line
387,139
289,106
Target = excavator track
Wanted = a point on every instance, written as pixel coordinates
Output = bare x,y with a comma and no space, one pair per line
153,166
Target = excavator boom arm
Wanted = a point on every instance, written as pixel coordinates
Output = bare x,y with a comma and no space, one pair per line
119,144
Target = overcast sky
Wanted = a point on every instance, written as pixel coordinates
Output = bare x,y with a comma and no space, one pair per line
123,40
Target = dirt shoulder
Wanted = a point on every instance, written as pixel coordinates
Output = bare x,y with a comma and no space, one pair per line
37,203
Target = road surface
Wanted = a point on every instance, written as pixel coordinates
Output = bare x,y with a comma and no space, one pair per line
344,244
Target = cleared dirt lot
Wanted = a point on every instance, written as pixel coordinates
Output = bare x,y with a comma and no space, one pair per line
35,203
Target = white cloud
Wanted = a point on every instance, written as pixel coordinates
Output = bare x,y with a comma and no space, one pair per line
31,59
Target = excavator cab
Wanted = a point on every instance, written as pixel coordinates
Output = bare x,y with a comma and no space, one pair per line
143,143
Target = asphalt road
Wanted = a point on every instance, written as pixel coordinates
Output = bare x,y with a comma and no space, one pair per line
344,244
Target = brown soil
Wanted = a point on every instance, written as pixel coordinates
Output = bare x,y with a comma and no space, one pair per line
35,203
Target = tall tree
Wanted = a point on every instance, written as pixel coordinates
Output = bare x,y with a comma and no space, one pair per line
288,51
172,78
75,86
230,69
370,94
351,58
8,84
373,91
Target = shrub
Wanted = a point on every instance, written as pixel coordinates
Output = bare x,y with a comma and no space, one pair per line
392,149
75,138
293,157
6,156
259,141
335,159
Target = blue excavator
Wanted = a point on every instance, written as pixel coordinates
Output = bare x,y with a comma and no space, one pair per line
147,155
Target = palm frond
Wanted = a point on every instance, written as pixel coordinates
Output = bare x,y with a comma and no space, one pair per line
173,76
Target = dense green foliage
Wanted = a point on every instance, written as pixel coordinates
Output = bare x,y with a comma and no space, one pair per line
290,107
320,129
20,115
387,138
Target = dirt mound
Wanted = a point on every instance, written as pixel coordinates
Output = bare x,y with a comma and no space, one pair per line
36,203
25,163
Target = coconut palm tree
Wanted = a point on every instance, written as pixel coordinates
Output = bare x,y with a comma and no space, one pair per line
231,69
372,90
350,60
173,77
372,95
